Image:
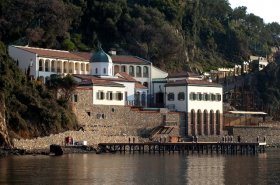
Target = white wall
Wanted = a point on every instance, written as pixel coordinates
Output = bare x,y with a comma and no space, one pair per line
24,59
105,101
187,105
179,105
157,73
202,105
129,88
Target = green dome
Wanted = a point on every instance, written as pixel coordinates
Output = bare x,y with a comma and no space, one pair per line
100,56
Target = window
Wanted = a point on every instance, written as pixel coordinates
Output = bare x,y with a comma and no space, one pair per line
104,71
219,97
75,98
40,65
131,71
100,95
87,67
109,95
170,96
213,97
46,65
199,96
145,71
204,96
193,96
123,69
138,71
181,96
119,96
96,70
52,66
207,97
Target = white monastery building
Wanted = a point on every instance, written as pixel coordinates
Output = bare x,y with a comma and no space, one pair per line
129,80
200,99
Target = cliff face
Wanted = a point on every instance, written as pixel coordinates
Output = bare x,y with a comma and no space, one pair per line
4,137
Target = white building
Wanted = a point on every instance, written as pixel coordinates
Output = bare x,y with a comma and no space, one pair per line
201,100
44,62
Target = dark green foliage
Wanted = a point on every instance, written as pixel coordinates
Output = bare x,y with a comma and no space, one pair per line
174,34
32,109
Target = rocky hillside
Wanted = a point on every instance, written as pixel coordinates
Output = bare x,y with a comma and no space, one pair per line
4,136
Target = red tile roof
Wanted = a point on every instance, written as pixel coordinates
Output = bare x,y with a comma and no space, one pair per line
128,59
182,74
138,85
85,56
192,82
52,53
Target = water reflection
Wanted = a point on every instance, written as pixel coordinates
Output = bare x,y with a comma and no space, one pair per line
205,169
139,169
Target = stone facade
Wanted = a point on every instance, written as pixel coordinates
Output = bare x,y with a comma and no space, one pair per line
91,137
204,124
112,120
250,134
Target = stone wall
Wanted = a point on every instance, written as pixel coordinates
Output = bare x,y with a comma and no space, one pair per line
91,137
121,120
250,134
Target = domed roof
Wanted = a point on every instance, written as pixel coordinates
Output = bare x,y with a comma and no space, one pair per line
100,56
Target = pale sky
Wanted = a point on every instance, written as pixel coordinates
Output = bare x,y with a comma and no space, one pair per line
269,10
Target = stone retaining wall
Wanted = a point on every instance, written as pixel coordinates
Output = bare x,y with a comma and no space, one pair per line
91,137
250,134
121,120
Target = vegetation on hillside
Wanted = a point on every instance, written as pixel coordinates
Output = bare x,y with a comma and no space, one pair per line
31,108
175,35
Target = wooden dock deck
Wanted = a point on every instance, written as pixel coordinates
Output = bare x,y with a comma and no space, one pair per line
184,147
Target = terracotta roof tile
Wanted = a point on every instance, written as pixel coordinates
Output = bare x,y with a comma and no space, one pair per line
192,82
128,59
182,74
52,53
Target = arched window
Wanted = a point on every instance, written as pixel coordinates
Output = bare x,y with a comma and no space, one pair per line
52,66
212,124
65,67
131,71
104,70
199,122
218,122
193,121
123,69
96,70
138,71
116,69
59,65
87,67
145,71
47,65
77,67
82,67
205,122
40,65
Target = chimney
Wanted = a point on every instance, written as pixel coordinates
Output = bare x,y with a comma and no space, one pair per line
113,51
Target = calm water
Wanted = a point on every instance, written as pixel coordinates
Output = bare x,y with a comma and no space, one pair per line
141,169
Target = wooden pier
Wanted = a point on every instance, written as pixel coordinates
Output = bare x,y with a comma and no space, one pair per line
184,147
